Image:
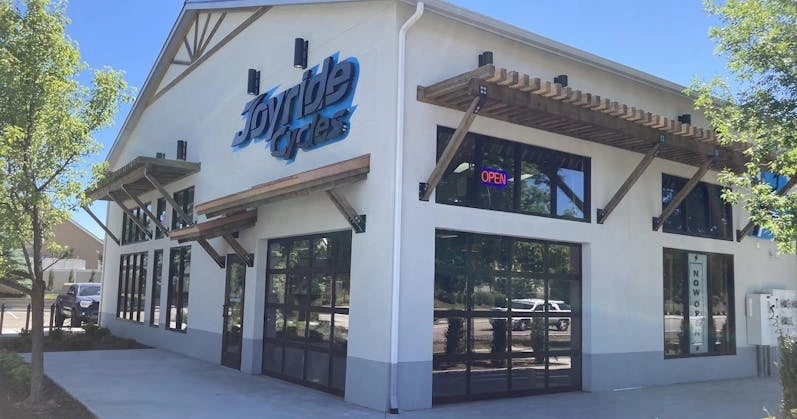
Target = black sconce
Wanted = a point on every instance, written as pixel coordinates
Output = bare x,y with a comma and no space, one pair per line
253,82
561,79
182,149
300,48
485,58
160,155
685,118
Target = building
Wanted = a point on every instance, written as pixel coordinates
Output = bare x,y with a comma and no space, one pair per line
338,228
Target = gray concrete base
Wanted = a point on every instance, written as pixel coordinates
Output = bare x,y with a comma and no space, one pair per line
194,343
367,383
604,372
252,356
415,385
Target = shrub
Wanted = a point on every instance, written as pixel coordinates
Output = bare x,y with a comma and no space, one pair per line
455,343
56,334
788,376
96,331
16,370
498,345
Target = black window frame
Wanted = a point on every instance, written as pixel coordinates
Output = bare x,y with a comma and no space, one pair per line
480,142
730,314
184,198
132,286
682,213
178,288
155,295
131,232
469,356
338,265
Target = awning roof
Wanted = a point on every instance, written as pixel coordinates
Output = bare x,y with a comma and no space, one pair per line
132,176
523,100
216,227
321,179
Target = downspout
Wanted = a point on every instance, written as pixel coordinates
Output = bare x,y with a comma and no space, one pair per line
397,201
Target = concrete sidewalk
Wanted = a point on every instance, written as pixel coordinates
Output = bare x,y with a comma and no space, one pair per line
152,383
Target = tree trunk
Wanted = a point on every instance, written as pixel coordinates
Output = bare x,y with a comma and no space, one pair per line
37,318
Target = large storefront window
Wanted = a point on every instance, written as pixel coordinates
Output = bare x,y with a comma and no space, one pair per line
307,310
179,276
185,199
131,232
698,304
703,213
503,175
132,285
155,304
507,317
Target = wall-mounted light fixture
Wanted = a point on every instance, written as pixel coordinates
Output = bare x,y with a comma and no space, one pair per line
300,48
182,149
685,118
561,79
485,58
253,82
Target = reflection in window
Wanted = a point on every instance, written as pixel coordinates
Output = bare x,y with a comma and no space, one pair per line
185,199
131,232
155,304
703,213
698,305
539,181
506,315
132,286
177,293
307,310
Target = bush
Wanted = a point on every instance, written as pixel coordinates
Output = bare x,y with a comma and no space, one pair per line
96,331
498,344
16,370
56,334
455,343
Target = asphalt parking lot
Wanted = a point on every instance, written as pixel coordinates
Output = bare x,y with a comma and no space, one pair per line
14,313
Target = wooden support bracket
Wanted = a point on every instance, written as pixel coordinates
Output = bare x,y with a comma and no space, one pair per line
102,225
603,213
682,194
357,221
146,211
130,215
239,250
454,144
212,252
740,234
168,197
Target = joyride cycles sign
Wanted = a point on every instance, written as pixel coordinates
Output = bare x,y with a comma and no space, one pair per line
313,113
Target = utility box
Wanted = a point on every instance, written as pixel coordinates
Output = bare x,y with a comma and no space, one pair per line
771,315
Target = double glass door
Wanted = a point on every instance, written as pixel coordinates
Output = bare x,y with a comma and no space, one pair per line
507,316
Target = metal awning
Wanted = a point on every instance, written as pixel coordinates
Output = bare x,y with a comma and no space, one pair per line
520,99
322,179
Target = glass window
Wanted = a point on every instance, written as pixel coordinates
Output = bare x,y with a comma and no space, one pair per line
777,182
177,293
504,175
155,304
131,293
703,213
161,215
506,316
307,309
131,232
698,304
185,199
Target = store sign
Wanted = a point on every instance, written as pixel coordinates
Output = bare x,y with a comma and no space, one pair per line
698,304
493,177
312,113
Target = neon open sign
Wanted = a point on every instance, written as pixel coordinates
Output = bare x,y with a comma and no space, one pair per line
493,177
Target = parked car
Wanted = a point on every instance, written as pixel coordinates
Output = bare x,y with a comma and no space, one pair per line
558,313
79,302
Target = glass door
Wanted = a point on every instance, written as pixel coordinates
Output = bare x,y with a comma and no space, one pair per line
233,313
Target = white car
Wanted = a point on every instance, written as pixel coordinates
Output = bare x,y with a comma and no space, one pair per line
558,313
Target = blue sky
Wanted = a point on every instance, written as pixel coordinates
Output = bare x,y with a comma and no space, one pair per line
666,39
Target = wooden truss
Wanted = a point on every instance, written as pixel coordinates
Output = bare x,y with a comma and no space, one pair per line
603,213
681,195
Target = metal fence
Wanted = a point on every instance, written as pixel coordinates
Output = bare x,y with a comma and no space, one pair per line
11,318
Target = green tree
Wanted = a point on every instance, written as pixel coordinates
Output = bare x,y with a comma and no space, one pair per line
757,105
46,123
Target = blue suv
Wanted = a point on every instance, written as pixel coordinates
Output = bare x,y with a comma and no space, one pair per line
79,302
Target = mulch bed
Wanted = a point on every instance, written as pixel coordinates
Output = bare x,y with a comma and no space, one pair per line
57,404
71,342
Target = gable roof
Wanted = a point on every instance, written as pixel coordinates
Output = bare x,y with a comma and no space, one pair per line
192,7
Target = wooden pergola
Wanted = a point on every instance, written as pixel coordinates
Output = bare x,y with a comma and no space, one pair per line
520,99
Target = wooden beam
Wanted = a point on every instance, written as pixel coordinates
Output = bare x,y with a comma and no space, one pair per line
168,197
146,210
357,221
101,224
740,234
453,145
682,194
603,213
197,61
130,215
239,250
212,252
